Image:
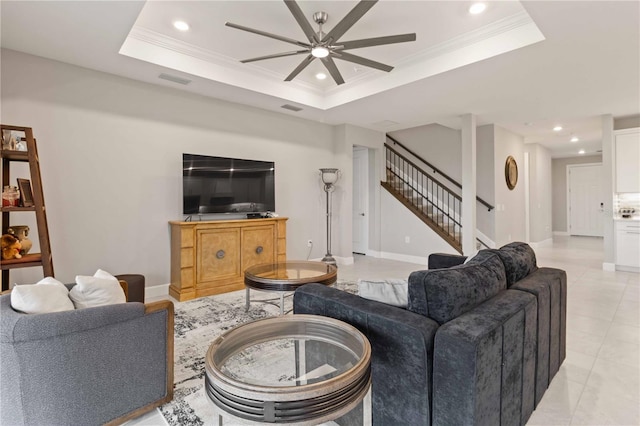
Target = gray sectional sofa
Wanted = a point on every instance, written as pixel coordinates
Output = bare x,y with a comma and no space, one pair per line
100,365
478,344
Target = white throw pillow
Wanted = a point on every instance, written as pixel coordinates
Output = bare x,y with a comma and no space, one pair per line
99,290
393,291
47,295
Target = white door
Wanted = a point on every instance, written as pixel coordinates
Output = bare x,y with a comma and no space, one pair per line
586,198
360,200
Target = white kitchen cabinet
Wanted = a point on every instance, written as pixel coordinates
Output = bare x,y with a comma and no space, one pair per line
627,160
628,243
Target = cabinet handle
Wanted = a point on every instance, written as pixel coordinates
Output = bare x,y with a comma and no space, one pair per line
259,249
220,254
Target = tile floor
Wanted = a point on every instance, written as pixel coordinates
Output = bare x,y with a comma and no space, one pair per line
599,381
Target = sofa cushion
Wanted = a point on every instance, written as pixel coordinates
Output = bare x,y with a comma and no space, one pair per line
519,261
99,290
48,295
444,294
392,291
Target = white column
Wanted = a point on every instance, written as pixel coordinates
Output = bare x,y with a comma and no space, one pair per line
607,183
468,184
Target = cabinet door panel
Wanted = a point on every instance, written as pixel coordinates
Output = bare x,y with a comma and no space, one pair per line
627,160
218,254
258,245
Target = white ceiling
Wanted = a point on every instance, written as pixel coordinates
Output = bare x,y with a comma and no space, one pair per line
525,66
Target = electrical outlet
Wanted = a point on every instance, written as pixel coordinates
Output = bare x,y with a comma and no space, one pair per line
309,243
407,239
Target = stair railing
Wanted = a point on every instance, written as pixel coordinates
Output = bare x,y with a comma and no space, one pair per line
435,169
428,197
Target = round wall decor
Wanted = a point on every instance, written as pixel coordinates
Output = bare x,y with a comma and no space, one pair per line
511,172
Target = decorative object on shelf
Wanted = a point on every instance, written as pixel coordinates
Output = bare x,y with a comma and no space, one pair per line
10,247
10,196
26,196
8,142
511,172
13,140
329,179
21,232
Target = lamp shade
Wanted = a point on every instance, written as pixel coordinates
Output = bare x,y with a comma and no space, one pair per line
329,176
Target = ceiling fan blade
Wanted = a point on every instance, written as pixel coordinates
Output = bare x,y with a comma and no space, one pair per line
262,33
363,61
302,20
377,41
300,67
275,55
333,70
347,22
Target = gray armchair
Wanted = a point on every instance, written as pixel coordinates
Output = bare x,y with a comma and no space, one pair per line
93,366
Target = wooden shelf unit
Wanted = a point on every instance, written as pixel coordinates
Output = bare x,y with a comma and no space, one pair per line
43,259
210,257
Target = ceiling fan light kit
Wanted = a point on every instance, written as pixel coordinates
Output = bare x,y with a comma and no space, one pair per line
327,47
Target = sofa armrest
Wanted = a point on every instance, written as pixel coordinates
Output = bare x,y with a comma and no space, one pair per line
444,260
135,286
402,350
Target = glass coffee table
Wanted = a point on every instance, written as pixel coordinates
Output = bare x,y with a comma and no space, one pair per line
293,369
286,277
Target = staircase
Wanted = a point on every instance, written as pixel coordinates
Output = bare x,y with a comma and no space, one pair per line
427,197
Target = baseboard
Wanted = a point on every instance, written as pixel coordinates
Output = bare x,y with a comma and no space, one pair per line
561,233
627,268
374,253
344,260
405,258
156,291
339,260
544,243
606,266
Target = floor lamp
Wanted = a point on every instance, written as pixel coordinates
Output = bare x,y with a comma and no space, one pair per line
329,178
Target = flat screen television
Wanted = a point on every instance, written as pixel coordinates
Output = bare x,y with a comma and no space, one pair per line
227,185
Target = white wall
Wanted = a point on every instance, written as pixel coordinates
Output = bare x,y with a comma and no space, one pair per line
540,191
510,217
559,192
111,159
345,137
438,145
399,223
485,180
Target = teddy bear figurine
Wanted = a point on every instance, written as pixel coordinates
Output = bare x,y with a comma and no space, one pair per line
10,247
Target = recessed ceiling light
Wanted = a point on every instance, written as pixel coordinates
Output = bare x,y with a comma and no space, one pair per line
477,8
574,139
181,25
320,52
557,128
321,76
581,152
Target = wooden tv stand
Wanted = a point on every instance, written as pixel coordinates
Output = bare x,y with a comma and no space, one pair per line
210,257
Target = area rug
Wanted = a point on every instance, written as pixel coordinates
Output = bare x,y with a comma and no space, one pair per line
197,323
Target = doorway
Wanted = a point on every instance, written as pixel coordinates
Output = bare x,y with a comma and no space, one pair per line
585,200
360,225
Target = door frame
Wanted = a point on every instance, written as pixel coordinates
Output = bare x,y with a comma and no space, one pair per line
363,190
568,193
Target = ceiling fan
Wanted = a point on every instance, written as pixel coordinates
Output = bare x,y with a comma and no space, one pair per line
327,47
